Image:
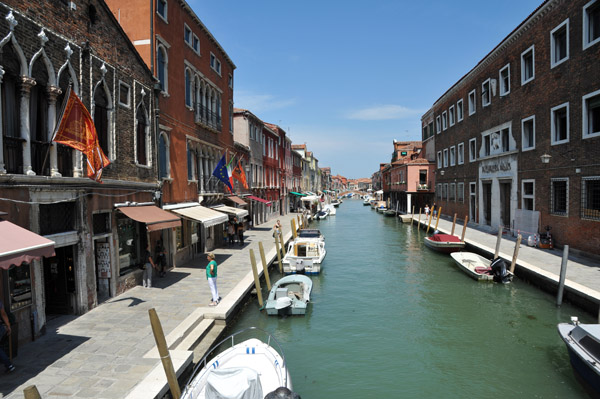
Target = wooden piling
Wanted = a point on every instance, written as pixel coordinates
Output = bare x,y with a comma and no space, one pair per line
462,238
294,232
31,392
163,351
429,223
283,251
438,218
453,224
419,224
261,249
498,241
256,278
563,275
515,254
412,216
278,254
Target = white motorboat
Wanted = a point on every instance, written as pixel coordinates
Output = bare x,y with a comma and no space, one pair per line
583,341
331,208
289,296
482,269
367,201
305,253
250,369
322,214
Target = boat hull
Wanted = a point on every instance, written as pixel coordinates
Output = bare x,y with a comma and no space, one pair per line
446,247
469,262
585,367
289,296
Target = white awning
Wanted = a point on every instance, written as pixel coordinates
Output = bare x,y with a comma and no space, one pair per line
237,212
310,198
206,216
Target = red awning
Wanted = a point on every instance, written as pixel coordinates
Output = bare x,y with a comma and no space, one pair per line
237,200
264,201
154,217
18,245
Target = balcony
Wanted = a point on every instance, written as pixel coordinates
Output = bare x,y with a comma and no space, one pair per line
422,187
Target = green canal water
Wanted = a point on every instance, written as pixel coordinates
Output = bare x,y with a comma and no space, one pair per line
391,318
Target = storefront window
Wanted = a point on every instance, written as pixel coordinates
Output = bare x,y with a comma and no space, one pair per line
19,284
129,243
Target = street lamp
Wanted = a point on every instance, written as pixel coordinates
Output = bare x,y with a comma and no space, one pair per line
545,158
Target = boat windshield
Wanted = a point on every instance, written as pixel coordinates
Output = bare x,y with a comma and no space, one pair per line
309,233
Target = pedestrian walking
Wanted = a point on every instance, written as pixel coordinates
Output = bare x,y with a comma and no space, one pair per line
426,210
277,228
230,233
211,276
5,331
160,258
148,268
240,231
434,209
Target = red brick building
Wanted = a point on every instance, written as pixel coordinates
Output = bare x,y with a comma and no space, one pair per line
195,124
47,46
518,137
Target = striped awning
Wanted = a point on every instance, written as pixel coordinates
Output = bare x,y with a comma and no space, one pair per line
206,216
154,217
298,194
237,200
237,212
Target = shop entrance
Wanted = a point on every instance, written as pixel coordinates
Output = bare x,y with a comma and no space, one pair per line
487,203
59,282
505,189
103,270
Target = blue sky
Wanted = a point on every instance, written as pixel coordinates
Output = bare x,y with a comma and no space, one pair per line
349,77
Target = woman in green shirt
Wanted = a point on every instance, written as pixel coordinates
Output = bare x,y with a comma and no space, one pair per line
211,276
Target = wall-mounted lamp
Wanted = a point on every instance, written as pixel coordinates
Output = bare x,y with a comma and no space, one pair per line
545,158
442,172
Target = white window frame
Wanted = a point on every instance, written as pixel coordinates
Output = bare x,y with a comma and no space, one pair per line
195,39
187,29
585,121
523,54
451,116
552,125
439,159
444,120
527,196
438,124
504,91
166,16
460,192
438,191
552,205
452,192
215,64
230,81
164,48
460,110
584,203
523,141
445,191
453,156
460,155
188,105
553,63
586,26
472,102
486,95
445,157
473,150
128,104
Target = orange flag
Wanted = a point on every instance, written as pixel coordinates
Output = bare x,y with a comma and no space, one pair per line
77,130
239,175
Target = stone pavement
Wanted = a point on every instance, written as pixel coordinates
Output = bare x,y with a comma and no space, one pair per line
108,351
542,266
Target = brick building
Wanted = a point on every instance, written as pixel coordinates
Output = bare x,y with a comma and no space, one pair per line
195,125
45,47
517,138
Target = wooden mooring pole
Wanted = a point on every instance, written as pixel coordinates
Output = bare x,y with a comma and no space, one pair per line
261,249
453,225
256,278
563,275
419,224
498,242
515,254
438,218
429,223
462,238
163,351
278,254
412,216
294,232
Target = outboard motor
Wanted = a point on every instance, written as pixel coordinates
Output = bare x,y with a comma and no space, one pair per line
282,393
501,275
300,266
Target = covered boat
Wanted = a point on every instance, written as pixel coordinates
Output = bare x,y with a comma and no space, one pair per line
583,344
405,218
482,269
305,253
289,296
251,369
445,243
322,214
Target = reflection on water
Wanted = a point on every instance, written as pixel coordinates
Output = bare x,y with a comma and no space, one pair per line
390,317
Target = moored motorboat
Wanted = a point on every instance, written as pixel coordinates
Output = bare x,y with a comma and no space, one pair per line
335,203
445,243
367,201
305,253
249,369
405,218
389,212
482,269
583,341
289,296
331,208
322,214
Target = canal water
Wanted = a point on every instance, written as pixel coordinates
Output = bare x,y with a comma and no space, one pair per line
391,318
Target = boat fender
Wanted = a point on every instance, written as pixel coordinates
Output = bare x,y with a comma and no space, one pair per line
282,393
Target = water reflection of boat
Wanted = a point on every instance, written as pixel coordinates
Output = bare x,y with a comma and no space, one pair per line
305,253
289,296
249,369
583,345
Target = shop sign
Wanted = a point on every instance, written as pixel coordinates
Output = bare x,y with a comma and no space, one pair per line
103,259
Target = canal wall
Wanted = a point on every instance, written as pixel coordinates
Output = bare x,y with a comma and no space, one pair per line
538,267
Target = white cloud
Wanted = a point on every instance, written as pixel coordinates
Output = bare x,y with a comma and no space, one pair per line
255,102
383,112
